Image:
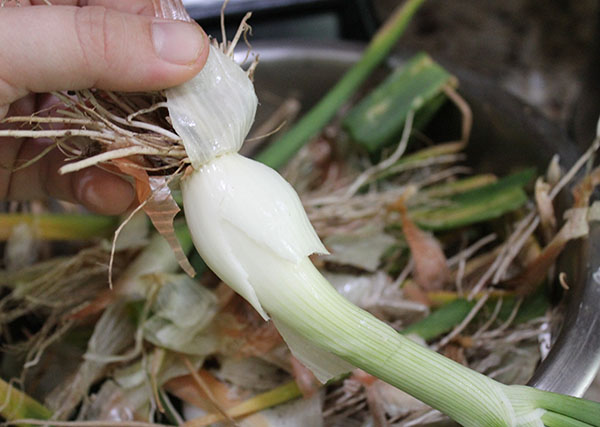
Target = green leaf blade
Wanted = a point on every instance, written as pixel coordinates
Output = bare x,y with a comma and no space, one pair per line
481,204
379,118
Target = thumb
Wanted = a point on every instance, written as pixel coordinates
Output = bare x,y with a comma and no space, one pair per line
46,48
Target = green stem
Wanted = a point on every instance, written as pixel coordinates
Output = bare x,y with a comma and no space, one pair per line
60,226
552,419
285,147
334,324
313,308
571,407
16,405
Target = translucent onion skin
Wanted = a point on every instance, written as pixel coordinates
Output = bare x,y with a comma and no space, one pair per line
214,111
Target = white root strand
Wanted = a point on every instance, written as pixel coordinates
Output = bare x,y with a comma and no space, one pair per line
243,27
515,249
364,177
116,154
35,119
458,329
121,423
16,133
146,110
575,168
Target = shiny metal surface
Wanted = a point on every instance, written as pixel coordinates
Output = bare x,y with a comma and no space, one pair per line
506,135
202,9
575,358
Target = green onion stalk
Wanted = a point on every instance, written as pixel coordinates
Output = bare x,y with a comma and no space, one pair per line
17,405
61,226
249,226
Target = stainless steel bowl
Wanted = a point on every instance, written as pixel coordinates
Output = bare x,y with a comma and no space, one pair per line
506,134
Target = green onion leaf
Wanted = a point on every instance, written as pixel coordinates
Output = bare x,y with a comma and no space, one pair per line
378,120
481,204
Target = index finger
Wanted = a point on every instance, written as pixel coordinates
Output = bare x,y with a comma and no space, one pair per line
48,48
135,7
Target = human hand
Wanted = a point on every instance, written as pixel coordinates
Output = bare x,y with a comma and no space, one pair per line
106,44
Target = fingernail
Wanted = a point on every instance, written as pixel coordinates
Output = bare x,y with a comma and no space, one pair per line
177,42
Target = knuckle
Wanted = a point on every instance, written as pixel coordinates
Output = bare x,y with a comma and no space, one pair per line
96,36
145,8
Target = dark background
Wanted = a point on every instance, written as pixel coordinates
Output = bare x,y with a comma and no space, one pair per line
544,52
